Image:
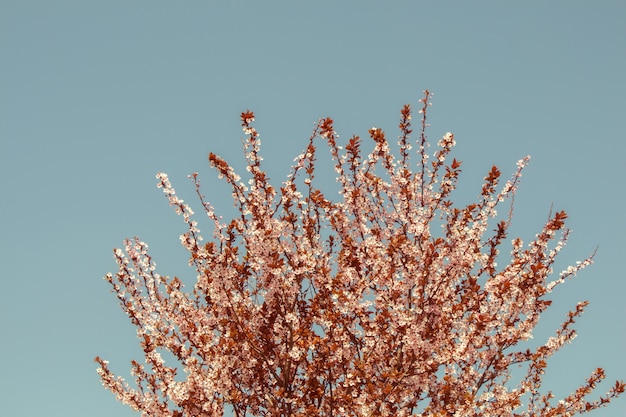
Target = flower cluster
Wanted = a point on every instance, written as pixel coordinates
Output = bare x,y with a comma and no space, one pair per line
389,301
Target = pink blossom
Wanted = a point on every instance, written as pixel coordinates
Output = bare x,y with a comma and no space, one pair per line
390,300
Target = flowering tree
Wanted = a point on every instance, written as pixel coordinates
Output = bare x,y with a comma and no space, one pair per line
308,306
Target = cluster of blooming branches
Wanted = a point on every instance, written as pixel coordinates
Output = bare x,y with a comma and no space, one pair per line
308,306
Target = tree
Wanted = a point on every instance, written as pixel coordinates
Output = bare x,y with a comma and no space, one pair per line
358,307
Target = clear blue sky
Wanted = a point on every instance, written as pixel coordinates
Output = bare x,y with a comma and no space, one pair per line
96,97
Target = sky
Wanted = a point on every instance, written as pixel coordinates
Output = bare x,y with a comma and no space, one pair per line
96,97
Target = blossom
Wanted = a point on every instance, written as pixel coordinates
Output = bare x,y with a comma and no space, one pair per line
389,300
